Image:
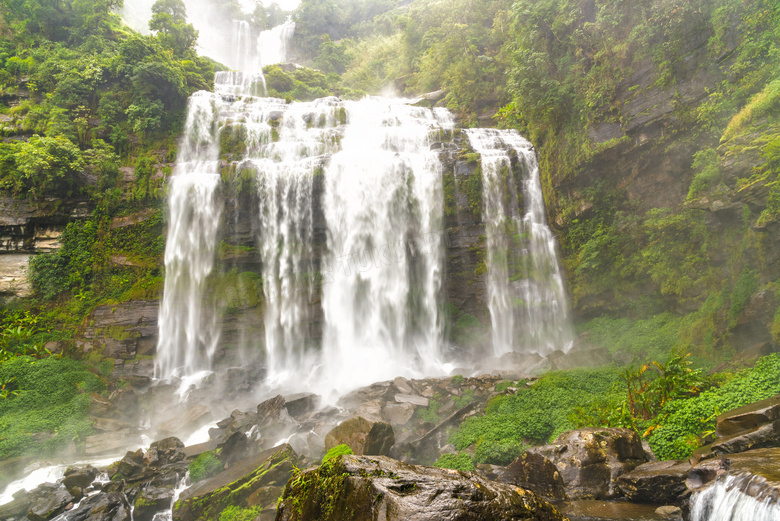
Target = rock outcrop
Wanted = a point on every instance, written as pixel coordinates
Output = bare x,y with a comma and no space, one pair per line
363,488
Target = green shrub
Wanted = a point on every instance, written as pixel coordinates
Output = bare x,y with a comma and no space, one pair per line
705,164
461,461
205,466
338,450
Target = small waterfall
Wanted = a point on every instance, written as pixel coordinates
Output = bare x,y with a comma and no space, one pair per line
743,497
527,299
382,273
188,332
272,44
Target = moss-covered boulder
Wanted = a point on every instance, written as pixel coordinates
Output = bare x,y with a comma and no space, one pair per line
362,436
245,484
365,488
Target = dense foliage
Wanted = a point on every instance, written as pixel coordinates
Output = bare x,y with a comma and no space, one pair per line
44,405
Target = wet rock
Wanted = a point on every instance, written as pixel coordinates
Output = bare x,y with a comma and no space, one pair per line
402,384
80,477
234,448
49,505
101,507
165,451
361,488
362,436
236,485
301,403
590,460
270,410
748,417
110,425
536,473
150,501
660,482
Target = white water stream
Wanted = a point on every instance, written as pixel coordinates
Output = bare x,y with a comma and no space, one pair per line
727,500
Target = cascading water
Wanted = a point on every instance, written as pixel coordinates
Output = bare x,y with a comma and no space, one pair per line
727,500
383,205
272,44
526,295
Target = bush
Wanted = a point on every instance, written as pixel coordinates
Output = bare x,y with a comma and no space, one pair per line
460,461
205,466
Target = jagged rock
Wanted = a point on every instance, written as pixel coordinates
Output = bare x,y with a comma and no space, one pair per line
102,507
162,452
132,467
589,460
362,436
656,482
80,477
301,403
270,410
402,384
49,505
150,501
748,417
236,485
234,448
411,398
362,488
398,413
536,473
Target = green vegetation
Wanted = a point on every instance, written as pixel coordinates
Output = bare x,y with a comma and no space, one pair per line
460,461
44,405
534,415
205,466
338,450
234,513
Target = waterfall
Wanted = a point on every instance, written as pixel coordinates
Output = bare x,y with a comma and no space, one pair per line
526,294
743,497
382,273
272,44
187,332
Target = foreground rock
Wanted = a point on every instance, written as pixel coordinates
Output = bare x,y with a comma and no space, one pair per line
589,460
256,481
363,488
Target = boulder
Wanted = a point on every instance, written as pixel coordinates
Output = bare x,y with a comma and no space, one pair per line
362,488
536,473
362,436
748,417
236,485
659,482
398,413
301,403
590,460
411,398
18,507
80,477
49,505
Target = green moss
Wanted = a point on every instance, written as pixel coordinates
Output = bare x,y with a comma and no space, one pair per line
338,450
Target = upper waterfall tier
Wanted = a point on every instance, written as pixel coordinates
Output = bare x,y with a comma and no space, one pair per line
348,237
